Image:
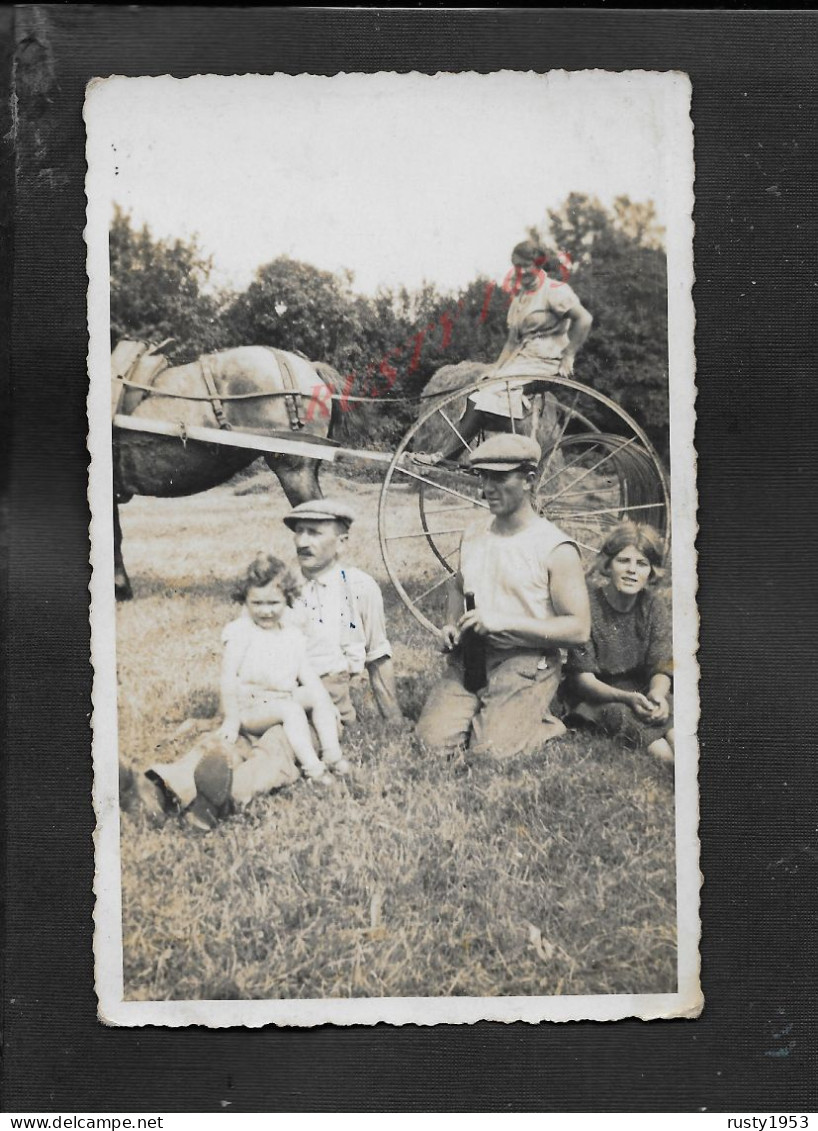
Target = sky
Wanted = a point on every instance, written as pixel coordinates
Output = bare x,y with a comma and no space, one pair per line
397,178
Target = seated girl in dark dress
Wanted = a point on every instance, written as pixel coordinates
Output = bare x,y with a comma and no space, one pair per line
622,676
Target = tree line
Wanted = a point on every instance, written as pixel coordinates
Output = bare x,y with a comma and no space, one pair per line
387,346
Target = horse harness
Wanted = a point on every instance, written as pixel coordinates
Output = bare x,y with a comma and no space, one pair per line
205,364
291,390
136,392
127,394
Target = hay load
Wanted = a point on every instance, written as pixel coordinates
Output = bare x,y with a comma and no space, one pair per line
436,434
462,375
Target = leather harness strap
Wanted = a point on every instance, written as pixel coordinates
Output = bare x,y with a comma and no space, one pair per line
126,393
292,389
212,391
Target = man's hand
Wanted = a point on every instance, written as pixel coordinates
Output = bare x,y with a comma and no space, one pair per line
481,622
449,637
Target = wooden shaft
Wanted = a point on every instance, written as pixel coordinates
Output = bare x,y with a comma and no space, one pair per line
278,445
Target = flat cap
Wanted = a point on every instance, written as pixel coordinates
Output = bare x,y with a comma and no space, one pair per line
505,452
321,510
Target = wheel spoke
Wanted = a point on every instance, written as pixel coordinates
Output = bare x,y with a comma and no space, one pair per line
424,534
440,487
593,529
510,406
427,592
456,431
610,510
589,469
571,463
557,442
585,546
447,510
590,491
593,467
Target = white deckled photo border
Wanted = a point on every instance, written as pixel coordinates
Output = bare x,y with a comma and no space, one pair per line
673,90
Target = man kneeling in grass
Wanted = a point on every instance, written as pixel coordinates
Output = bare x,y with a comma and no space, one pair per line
520,594
340,610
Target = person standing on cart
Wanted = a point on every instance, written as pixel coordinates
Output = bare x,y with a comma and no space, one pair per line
521,594
547,327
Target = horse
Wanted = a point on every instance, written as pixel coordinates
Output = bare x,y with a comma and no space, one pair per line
250,388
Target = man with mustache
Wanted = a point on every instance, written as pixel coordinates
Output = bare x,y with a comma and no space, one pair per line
340,610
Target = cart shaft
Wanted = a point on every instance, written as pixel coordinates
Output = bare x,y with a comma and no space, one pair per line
253,441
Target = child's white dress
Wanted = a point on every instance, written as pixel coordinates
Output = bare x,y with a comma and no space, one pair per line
269,661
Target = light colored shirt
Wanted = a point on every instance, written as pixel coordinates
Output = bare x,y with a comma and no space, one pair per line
540,318
341,613
267,659
508,573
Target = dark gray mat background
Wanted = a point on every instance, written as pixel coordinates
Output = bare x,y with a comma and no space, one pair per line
754,109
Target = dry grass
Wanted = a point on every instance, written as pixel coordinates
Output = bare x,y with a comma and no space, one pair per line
550,875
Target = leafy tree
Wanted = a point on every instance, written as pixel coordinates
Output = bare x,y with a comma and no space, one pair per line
295,306
388,347
467,326
615,261
161,289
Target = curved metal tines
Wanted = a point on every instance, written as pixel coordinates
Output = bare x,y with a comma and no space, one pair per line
588,481
628,473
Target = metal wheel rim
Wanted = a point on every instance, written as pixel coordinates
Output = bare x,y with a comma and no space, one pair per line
395,468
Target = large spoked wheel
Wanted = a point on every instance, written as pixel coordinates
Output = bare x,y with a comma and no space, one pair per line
598,468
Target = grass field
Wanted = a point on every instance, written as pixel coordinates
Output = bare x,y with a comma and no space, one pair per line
551,874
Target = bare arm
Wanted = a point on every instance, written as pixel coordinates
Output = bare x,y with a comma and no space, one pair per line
512,342
578,330
569,597
592,689
657,694
384,687
571,624
659,686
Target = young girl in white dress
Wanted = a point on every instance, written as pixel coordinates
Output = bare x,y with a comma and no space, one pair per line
266,676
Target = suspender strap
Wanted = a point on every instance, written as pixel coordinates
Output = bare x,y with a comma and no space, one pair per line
212,392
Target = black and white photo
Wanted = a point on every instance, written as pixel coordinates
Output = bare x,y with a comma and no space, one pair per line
393,509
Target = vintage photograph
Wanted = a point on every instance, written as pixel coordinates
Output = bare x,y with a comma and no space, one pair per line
393,504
